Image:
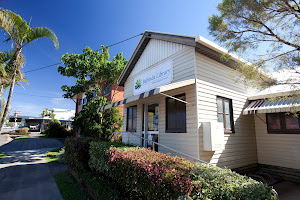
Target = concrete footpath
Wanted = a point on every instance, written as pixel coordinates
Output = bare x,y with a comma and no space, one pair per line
24,173
4,139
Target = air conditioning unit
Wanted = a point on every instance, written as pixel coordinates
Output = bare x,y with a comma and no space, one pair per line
213,136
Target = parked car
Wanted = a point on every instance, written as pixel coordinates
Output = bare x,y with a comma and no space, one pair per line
33,127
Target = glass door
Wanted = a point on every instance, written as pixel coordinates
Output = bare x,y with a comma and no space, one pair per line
151,121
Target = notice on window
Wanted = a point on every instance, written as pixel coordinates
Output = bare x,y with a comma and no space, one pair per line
153,78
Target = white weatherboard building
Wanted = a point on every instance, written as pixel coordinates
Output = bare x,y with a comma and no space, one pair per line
64,114
179,93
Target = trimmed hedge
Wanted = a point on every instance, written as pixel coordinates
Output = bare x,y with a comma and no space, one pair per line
97,185
215,183
152,175
147,174
23,131
77,152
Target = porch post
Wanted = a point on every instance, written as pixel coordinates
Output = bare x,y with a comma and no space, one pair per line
145,125
141,124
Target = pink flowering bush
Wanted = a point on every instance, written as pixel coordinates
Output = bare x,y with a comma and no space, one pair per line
147,174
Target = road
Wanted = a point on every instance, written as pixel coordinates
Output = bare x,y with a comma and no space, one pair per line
24,173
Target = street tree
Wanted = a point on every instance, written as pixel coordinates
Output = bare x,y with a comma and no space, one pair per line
265,32
19,32
92,69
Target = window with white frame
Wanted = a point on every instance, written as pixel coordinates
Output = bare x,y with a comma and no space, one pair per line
225,113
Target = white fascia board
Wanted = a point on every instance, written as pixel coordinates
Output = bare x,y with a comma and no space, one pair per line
272,95
217,48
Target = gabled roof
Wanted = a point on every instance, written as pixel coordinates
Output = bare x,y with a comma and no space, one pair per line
201,45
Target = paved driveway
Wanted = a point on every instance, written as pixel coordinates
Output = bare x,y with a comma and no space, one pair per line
24,174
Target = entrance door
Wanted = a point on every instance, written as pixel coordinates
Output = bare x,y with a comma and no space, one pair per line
150,121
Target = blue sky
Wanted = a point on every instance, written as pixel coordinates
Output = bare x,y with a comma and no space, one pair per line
93,23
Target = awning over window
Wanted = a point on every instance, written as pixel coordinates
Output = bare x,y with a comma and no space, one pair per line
150,93
269,106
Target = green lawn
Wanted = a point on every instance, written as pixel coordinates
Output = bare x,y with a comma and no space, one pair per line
2,155
51,156
43,136
68,187
22,137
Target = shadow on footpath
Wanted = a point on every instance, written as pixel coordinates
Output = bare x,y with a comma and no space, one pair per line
29,181
32,143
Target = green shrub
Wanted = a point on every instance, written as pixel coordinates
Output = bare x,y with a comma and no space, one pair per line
152,175
101,186
56,130
147,174
215,183
23,130
77,152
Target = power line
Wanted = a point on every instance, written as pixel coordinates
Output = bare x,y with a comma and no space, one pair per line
125,40
43,67
96,50
37,95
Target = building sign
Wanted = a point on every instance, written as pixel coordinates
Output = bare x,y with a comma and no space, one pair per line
153,78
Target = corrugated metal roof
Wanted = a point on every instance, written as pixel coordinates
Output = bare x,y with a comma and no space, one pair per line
273,106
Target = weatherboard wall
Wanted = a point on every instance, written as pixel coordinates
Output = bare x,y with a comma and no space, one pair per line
183,58
157,52
215,79
276,149
184,142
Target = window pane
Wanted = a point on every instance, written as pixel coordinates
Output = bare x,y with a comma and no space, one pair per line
220,118
228,124
181,116
134,119
129,124
129,114
171,114
176,114
227,107
274,121
220,105
291,122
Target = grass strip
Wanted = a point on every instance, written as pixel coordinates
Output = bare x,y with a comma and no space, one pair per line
43,136
23,137
2,155
68,187
51,156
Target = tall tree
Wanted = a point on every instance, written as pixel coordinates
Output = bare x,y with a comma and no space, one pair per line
19,32
267,30
93,69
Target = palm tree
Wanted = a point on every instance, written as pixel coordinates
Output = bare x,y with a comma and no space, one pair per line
46,112
4,77
21,34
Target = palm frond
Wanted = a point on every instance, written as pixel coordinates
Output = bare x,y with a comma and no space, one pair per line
39,32
6,56
14,25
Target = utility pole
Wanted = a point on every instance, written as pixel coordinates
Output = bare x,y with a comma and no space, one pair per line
16,113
